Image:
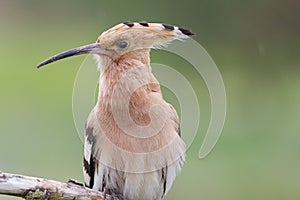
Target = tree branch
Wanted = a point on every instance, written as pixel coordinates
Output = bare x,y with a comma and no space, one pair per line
31,188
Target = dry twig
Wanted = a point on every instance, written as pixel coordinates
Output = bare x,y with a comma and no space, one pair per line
32,188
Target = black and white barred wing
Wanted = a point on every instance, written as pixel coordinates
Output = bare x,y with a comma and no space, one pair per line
90,162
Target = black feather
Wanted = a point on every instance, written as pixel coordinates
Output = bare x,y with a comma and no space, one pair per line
168,27
186,31
130,24
89,134
144,24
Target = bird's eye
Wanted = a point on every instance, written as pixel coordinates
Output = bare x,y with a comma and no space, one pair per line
123,44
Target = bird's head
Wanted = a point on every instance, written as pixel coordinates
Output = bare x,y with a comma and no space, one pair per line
126,40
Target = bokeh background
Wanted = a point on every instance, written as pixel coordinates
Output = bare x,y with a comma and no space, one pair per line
254,43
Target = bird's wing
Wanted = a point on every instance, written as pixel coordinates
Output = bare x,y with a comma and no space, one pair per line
90,163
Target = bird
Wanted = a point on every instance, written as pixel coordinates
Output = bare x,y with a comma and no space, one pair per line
133,147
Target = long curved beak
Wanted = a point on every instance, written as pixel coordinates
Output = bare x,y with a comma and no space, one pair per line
91,48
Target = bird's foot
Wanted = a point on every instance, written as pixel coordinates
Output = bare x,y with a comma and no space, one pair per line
113,195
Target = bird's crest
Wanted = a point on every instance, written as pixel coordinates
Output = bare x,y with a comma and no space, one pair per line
145,34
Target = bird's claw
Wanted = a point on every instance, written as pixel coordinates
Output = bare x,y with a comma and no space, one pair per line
110,194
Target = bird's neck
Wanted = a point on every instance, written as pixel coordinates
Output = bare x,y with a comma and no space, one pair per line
130,73
106,63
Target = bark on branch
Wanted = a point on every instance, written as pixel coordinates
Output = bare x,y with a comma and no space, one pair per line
32,188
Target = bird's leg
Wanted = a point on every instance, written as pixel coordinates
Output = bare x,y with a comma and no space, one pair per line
105,192
116,196
113,194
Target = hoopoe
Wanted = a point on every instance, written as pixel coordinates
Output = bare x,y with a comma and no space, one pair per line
133,147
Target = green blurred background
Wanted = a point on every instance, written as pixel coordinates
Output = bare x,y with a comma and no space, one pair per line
255,44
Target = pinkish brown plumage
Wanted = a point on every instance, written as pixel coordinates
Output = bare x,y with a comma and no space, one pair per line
133,148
